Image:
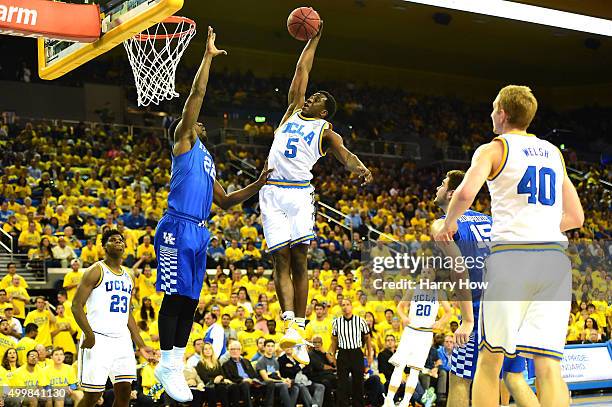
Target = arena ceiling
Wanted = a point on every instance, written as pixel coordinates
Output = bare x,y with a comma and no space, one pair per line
400,34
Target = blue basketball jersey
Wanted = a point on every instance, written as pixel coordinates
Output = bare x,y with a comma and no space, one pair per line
192,182
474,227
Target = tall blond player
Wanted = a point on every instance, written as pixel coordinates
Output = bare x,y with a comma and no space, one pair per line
533,202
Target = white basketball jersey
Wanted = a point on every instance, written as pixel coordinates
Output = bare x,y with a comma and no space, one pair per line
296,148
526,191
423,308
108,305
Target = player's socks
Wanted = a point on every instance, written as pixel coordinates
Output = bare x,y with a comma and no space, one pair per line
301,322
166,358
177,357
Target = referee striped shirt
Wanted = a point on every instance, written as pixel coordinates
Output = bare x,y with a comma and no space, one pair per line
350,331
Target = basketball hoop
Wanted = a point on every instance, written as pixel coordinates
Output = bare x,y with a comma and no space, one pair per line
154,55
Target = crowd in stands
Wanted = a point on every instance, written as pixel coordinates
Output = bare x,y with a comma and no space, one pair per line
62,186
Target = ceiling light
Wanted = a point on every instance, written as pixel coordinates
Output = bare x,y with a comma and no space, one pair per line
527,13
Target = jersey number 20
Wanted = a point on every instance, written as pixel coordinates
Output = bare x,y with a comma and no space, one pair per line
423,310
119,304
543,185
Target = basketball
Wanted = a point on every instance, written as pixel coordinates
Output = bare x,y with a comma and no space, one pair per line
303,23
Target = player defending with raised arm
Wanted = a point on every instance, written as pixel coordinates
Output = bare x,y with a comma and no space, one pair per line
181,238
418,314
532,201
108,327
287,207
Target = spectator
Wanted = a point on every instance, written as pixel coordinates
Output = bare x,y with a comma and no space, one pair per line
216,254
193,360
63,252
5,212
11,272
30,376
19,297
215,335
240,372
228,331
261,342
62,330
444,353
43,318
29,239
6,340
10,362
322,367
72,278
16,330
209,370
384,367
311,394
269,371
146,248
248,338
61,375
234,253
27,342
135,220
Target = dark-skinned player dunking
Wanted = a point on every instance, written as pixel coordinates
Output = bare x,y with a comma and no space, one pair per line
108,327
181,238
287,207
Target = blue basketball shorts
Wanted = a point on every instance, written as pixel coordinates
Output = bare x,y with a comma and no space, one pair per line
181,242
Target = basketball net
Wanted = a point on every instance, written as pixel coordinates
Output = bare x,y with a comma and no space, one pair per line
154,55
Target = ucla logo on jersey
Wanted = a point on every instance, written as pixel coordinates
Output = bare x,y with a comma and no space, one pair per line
296,128
118,285
169,238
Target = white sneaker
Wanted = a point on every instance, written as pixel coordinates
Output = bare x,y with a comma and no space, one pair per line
388,402
300,354
291,338
174,383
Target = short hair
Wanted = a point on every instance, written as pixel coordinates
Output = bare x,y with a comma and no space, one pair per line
30,351
330,104
2,290
31,327
519,103
107,235
213,316
59,348
389,336
197,339
318,304
226,315
9,264
62,292
269,341
454,322
454,179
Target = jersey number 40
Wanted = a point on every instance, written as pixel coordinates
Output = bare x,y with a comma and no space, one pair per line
540,188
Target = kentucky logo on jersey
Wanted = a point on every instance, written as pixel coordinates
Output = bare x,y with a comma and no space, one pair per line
169,238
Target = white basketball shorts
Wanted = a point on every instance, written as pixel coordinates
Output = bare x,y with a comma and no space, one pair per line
109,357
287,215
413,348
526,304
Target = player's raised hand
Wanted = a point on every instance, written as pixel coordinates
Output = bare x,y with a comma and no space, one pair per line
263,177
318,35
366,174
446,232
462,334
211,48
88,341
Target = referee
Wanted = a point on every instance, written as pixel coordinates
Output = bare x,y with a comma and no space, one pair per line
348,334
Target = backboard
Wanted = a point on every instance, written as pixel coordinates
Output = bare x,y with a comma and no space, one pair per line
121,19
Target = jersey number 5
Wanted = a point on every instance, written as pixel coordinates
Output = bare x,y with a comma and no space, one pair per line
291,150
119,304
543,185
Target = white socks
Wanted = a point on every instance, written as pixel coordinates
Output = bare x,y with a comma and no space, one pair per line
177,357
288,316
167,358
301,322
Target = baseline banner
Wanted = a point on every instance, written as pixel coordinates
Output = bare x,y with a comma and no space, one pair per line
585,363
43,18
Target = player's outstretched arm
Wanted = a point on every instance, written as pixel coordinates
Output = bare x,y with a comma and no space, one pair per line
297,90
350,161
450,249
226,201
573,214
87,284
464,195
403,308
191,110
